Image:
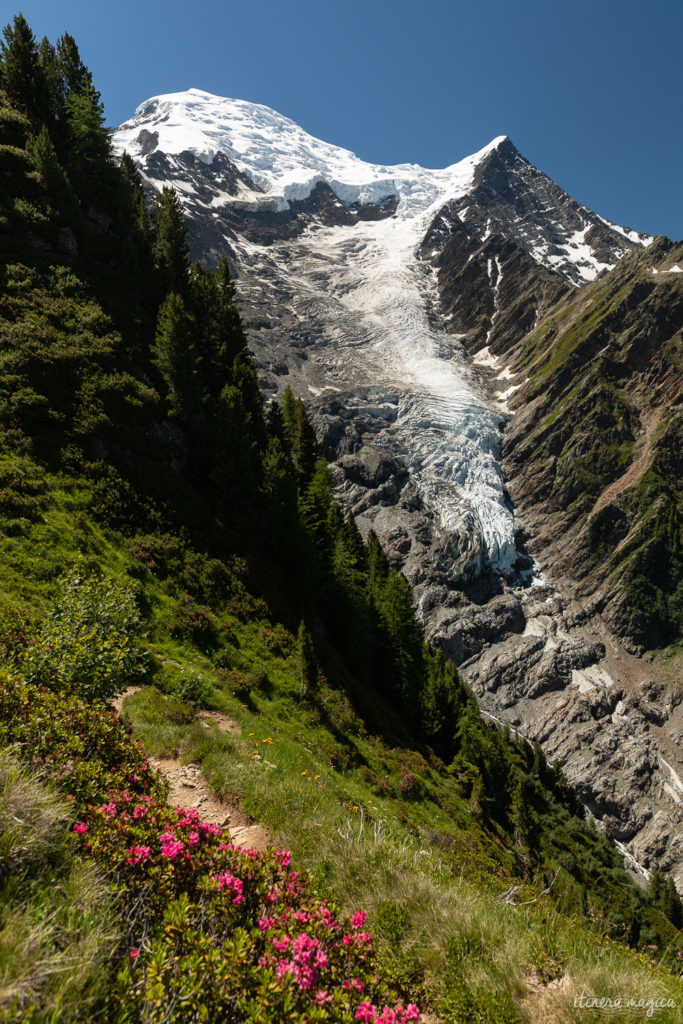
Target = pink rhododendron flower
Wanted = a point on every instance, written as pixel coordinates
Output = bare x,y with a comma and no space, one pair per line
81,828
265,923
366,1012
172,849
137,854
134,954
358,919
322,997
233,885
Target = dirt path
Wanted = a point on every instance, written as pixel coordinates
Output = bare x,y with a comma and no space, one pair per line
188,787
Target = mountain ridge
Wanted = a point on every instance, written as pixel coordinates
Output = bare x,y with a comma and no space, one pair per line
286,164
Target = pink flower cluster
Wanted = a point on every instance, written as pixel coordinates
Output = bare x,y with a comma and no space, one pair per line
400,1015
226,880
307,960
136,854
172,848
314,955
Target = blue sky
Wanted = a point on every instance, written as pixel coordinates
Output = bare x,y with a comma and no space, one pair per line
590,92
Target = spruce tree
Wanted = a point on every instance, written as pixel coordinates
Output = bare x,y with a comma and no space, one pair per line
133,227
52,175
315,506
300,436
232,337
275,423
174,354
523,816
171,251
20,66
89,139
74,75
308,665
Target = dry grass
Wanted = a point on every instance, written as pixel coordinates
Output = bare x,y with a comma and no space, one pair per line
57,930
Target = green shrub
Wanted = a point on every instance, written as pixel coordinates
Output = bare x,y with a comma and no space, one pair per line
89,641
194,622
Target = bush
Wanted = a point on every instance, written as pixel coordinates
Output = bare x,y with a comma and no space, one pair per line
89,641
213,931
194,622
190,688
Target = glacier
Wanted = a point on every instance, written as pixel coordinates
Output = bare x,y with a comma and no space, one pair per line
365,296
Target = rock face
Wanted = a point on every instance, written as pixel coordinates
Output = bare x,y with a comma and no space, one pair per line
414,311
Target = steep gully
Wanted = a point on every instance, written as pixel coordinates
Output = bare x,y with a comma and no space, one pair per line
345,307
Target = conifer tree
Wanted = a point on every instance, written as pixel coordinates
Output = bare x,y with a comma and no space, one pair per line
175,356
308,665
53,176
280,486
275,423
171,251
21,74
301,437
89,139
74,75
133,227
378,564
50,85
315,505
232,337
396,609
522,814
354,542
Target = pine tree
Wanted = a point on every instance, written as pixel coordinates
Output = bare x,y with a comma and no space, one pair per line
378,564
174,354
73,74
89,139
523,816
315,506
308,665
20,69
300,436
171,251
133,227
52,175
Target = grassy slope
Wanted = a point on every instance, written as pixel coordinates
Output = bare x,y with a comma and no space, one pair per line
602,367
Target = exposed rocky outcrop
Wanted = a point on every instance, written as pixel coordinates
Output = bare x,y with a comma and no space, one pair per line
512,198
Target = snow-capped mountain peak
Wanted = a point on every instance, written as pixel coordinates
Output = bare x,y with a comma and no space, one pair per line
282,159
